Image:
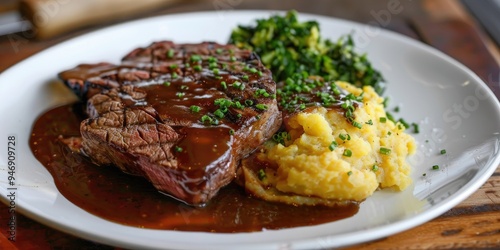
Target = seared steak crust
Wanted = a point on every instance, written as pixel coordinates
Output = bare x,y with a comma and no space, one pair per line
180,115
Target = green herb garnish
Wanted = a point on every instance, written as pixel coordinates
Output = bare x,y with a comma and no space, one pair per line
197,67
281,137
261,174
333,145
347,153
170,53
195,108
385,151
261,106
287,46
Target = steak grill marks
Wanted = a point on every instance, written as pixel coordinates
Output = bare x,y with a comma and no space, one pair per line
142,120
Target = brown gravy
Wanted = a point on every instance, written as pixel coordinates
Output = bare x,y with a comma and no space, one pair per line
110,194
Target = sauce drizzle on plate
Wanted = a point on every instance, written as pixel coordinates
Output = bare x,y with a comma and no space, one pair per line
110,194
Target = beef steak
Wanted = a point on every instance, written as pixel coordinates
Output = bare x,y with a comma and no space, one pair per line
180,115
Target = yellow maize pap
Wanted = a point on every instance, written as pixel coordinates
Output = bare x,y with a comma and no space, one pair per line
329,158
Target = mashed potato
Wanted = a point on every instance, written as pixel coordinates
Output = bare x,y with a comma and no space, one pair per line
329,158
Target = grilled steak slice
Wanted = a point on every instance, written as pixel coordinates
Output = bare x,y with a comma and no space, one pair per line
180,115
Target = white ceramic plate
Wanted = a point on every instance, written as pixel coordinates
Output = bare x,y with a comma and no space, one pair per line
455,109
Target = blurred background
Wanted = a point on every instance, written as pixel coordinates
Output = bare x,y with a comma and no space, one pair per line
468,30
459,28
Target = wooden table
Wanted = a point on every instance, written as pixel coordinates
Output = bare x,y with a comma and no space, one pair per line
445,25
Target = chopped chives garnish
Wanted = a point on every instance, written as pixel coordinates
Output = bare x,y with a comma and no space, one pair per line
390,117
232,58
261,106
382,119
223,84
435,167
406,124
259,73
219,113
206,118
231,132
195,108
248,102
212,59
180,94
344,105
347,152
223,102
443,151
369,122
349,173
253,70
396,109
416,129
344,137
178,149
333,145
237,105
261,92
170,53
195,58
280,137
166,83
216,71
218,51
197,67
386,102
245,77
174,75
348,113
212,65
262,174
257,117
375,168
173,66
357,124
239,85
385,151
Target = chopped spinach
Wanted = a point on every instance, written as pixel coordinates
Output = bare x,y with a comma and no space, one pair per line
287,46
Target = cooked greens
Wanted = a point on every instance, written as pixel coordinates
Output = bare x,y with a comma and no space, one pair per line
287,46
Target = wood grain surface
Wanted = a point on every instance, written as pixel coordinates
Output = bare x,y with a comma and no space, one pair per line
445,25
